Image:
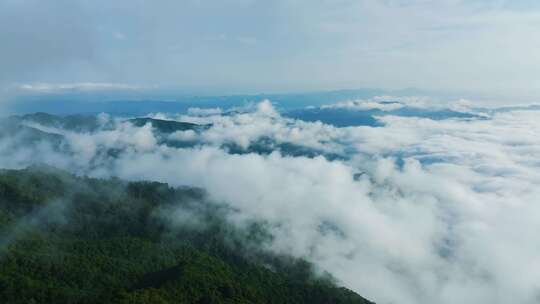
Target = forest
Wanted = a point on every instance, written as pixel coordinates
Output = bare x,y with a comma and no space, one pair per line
75,239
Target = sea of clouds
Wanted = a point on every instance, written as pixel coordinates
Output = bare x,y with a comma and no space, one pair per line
414,210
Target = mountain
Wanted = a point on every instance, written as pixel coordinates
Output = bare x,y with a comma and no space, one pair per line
25,130
68,239
27,136
78,123
266,145
167,126
28,129
351,116
90,123
142,103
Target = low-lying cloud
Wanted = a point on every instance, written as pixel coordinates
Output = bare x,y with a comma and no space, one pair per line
414,211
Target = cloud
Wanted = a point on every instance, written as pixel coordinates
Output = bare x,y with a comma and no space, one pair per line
364,105
244,126
255,46
36,39
83,86
420,210
203,111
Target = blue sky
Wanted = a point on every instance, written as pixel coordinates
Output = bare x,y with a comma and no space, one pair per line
297,45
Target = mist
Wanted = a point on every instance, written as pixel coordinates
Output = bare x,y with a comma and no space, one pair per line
414,211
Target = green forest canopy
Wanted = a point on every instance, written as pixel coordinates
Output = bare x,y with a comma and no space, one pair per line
68,239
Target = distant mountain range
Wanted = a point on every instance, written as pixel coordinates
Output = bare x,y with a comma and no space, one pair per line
143,103
345,117
29,130
167,126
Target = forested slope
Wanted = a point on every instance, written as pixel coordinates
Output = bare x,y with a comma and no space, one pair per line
67,239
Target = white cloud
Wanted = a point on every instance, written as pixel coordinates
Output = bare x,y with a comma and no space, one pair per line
444,212
81,86
203,111
487,46
364,105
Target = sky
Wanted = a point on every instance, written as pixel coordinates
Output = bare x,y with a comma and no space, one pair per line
269,46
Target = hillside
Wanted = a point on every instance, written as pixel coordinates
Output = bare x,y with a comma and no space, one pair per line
167,126
67,239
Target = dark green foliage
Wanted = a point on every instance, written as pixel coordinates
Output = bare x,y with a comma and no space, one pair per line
167,126
267,145
66,239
